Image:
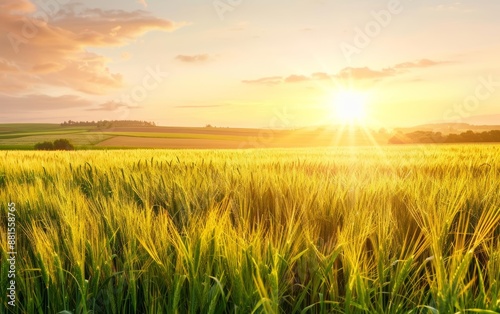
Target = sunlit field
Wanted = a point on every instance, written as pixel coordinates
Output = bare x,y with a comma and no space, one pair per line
326,230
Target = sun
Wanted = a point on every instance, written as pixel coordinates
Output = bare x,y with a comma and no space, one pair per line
349,106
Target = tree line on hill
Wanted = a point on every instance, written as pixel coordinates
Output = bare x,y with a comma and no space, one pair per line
420,137
106,124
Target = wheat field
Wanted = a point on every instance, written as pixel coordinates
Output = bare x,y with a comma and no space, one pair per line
407,229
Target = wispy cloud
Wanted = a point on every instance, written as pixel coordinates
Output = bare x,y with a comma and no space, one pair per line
200,58
47,67
452,7
349,73
200,106
296,78
364,73
423,63
39,102
270,80
111,106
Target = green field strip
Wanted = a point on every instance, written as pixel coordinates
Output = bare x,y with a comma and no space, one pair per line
177,136
24,134
80,138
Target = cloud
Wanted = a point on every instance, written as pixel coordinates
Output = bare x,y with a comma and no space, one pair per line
423,63
270,80
111,106
17,6
111,27
199,106
39,102
296,78
344,74
363,73
54,53
320,76
452,7
47,67
193,58
349,73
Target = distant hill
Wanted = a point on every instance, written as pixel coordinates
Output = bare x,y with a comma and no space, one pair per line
483,120
478,123
449,128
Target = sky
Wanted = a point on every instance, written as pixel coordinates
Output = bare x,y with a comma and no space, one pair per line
240,63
